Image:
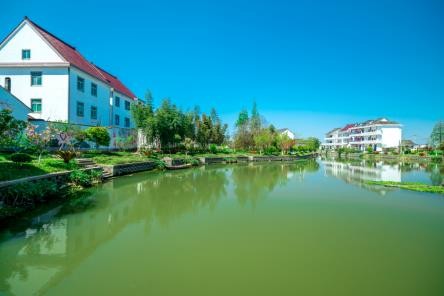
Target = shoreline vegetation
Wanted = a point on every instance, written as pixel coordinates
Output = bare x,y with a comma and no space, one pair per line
413,186
27,196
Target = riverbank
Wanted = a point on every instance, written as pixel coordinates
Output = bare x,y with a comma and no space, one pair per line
20,195
384,157
420,187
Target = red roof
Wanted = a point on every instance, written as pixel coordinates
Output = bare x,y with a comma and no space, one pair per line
348,126
72,56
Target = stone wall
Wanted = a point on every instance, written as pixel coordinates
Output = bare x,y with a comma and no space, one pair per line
128,168
59,177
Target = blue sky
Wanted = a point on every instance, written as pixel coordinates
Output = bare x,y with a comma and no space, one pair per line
309,65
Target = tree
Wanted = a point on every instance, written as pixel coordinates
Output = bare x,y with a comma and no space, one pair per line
243,138
204,130
263,140
169,124
36,141
285,143
10,128
255,121
99,135
313,143
144,118
437,135
67,136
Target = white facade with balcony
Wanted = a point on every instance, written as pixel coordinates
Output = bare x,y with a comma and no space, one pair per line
378,134
58,84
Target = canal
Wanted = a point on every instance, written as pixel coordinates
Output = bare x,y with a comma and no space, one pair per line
307,228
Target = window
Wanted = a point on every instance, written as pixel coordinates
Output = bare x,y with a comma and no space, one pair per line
116,119
36,78
80,109
36,105
127,105
93,112
117,102
26,54
8,84
94,89
127,122
80,83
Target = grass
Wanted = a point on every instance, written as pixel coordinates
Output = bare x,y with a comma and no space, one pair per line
48,164
409,186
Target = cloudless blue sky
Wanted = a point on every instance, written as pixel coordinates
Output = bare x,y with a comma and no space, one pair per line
310,65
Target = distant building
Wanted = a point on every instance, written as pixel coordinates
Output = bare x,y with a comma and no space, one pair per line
378,134
408,144
18,108
54,79
287,132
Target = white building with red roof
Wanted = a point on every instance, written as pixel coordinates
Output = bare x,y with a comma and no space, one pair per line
377,134
54,79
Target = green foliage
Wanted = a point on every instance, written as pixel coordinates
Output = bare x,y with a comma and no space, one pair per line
437,135
67,155
263,139
28,194
213,148
410,186
369,149
20,158
99,135
85,178
10,128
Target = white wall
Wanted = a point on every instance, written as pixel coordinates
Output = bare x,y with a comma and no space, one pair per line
53,91
26,38
8,101
101,101
391,137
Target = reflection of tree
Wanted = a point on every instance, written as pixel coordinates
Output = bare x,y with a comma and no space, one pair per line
436,172
143,198
253,181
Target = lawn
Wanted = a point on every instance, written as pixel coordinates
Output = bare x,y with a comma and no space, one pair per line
48,164
410,186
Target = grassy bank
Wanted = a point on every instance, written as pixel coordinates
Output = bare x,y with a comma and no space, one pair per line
49,164
409,186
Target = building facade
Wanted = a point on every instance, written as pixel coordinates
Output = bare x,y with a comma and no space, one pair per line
287,132
378,134
58,84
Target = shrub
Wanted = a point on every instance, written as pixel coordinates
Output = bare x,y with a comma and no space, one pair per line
98,135
21,157
160,164
28,194
67,155
213,148
422,153
85,178
195,161
369,149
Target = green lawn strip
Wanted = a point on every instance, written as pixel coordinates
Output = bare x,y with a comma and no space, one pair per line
11,171
409,186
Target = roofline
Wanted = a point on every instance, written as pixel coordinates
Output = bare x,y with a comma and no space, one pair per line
17,99
34,26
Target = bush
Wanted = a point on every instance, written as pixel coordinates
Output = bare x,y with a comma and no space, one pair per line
422,153
195,161
213,148
21,157
85,178
28,194
67,155
98,135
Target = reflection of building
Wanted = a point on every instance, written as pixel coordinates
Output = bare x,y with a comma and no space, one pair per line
376,134
363,171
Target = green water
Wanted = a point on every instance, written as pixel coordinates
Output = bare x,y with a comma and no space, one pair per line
266,229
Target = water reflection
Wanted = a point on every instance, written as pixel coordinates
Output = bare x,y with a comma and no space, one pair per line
358,171
36,258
